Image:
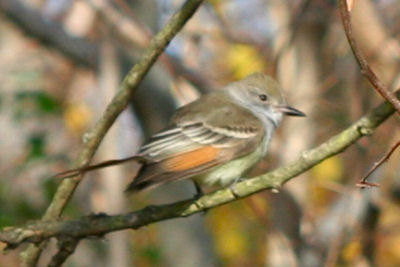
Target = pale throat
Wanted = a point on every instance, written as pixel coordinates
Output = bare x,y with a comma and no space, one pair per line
265,113
270,121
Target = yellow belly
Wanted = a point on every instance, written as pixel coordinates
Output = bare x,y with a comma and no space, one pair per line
227,173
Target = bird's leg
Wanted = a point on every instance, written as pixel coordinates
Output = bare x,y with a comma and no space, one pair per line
199,194
199,190
237,179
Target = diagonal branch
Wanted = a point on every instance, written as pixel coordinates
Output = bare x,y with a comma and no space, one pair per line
363,182
366,70
120,101
98,225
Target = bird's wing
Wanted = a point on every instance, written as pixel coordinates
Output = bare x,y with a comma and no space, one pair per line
198,140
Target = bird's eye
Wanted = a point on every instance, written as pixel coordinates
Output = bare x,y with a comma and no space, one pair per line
263,97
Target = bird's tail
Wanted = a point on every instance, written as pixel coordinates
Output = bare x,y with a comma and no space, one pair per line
104,164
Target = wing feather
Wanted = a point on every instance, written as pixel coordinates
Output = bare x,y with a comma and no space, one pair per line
197,140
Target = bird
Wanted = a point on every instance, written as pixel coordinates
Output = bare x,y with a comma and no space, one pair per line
214,140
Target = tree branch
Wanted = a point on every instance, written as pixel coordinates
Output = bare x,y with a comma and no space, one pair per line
366,70
120,101
98,225
363,182
66,246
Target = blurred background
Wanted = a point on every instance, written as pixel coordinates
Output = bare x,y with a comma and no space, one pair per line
62,61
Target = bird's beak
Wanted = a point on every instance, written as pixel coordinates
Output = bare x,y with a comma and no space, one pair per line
291,111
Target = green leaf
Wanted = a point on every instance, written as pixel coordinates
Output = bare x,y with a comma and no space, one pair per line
36,144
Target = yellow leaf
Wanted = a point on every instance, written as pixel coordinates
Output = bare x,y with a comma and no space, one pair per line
243,60
228,235
77,117
329,170
352,250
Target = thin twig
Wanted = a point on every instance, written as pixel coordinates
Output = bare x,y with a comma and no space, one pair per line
366,70
99,225
66,246
363,182
120,101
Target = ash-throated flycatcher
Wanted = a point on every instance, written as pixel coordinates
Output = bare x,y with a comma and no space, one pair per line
213,140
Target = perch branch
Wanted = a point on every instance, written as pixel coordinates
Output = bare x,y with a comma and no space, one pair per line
98,225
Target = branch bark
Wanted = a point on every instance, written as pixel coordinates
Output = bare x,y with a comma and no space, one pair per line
98,225
66,247
120,101
367,71
365,68
363,182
